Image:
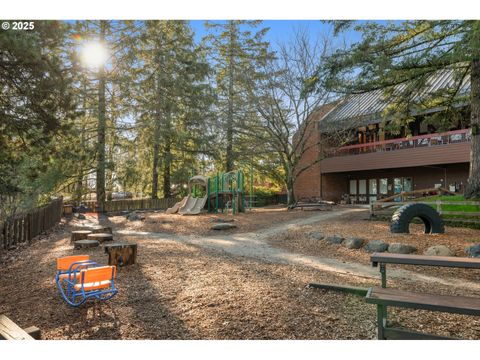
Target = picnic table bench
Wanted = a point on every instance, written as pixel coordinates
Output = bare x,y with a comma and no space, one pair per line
11,331
383,296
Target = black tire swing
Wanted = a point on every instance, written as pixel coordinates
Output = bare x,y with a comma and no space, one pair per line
405,214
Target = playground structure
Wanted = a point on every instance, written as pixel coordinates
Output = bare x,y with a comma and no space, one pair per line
222,192
226,191
194,202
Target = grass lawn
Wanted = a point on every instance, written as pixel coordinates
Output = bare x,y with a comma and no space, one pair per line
463,206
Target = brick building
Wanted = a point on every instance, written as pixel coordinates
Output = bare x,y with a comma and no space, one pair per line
373,163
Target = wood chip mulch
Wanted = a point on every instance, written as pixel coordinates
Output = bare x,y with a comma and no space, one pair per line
357,225
179,291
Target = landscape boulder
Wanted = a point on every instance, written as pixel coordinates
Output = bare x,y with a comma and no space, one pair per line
438,250
223,226
315,235
133,216
219,220
376,246
353,243
398,248
335,239
473,250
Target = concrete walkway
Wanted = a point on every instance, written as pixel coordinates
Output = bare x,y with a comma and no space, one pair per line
254,245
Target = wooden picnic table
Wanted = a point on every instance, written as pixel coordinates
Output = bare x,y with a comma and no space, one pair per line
383,297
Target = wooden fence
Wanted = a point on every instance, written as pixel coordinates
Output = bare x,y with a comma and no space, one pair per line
22,228
383,208
134,204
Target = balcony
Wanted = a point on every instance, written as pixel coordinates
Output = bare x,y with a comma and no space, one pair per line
431,149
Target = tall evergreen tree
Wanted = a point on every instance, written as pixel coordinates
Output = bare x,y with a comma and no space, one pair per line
35,103
237,51
172,95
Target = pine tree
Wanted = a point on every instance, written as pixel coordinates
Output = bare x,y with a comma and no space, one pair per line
36,104
237,52
172,96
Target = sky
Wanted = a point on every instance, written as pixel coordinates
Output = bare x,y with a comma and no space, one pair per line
283,30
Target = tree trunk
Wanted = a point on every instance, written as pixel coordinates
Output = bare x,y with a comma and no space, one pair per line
155,169
79,182
167,155
290,193
156,132
289,182
229,151
101,127
473,186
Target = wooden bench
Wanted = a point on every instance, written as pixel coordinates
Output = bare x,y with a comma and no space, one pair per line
383,297
11,331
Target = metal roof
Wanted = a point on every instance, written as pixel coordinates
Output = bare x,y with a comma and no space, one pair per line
367,108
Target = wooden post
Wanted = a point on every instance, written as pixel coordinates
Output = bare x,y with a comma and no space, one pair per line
82,244
121,254
101,229
383,272
100,237
79,235
381,321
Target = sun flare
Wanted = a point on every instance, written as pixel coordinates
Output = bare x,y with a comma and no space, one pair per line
94,54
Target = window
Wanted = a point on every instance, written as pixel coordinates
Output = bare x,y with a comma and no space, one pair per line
362,186
407,184
372,186
397,185
383,186
373,199
353,187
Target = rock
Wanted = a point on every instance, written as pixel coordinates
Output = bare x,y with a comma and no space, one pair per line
218,220
335,239
376,246
223,226
438,250
398,248
315,235
133,216
473,250
353,243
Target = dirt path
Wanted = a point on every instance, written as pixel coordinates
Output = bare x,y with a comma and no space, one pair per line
254,245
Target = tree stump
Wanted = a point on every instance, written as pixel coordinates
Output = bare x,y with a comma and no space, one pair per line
83,244
100,237
79,235
101,230
121,254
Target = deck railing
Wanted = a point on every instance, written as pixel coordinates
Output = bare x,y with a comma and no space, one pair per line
437,139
